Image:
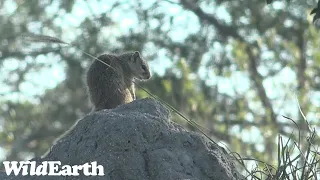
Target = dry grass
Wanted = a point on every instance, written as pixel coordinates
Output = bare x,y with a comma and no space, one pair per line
295,160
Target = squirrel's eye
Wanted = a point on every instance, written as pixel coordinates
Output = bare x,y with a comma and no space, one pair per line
144,67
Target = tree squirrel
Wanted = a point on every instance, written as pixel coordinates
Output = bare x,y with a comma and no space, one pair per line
109,87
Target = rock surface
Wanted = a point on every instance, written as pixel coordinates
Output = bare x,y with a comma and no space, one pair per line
137,141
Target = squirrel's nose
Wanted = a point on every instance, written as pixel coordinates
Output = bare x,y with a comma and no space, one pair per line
146,75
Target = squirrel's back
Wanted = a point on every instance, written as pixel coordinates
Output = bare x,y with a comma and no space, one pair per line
109,87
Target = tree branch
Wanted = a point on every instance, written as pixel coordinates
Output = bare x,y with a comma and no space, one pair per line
230,31
208,18
302,64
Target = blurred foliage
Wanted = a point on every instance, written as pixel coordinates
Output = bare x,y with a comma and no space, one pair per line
232,66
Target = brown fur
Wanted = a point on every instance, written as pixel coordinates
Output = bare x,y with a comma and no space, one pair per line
108,87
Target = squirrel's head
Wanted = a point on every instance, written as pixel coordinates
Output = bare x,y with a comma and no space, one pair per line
139,67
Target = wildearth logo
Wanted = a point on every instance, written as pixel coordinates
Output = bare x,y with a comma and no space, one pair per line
51,168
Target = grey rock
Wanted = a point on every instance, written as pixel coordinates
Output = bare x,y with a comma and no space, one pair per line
137,141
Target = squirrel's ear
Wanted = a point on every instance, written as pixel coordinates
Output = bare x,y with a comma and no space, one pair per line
136,53
135,56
